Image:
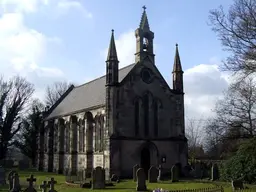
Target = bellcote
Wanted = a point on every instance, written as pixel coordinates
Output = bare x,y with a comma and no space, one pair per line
144,39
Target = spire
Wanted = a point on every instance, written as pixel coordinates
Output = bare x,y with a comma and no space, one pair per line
177,64
112,55
144,20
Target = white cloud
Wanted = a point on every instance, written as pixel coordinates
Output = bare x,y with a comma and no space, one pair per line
24,6
204,84
23,48
65,6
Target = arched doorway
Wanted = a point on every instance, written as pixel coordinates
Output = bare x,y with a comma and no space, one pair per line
145,160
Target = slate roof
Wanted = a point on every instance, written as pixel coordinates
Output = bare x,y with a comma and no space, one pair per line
88,95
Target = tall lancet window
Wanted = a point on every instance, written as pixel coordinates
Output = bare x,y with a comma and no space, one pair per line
137,116
146,114
56,138
81,135
101,133
155,108
67,135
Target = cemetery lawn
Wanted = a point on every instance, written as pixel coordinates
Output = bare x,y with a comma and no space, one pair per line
128,185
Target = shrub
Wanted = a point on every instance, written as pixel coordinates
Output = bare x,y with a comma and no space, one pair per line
242,165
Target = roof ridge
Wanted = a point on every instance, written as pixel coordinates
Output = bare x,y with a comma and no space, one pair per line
101,76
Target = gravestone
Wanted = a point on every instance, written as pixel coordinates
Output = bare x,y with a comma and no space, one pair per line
215,172
186,170
160,173
152,174
141,180
198,170
175,173
51,184
98,178
2,176
16,183
44,186
10,179
30,188
134,171
237,184
24,164
114,178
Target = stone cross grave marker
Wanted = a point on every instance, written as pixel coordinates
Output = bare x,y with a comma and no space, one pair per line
98,178
30,180
51,183
134,169
10,179
16,183
2,176
44,186
175,173
152,174
141,180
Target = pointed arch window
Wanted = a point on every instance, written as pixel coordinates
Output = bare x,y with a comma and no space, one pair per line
81,135
155,107
67,135
146,114
101,145
137,116
55,139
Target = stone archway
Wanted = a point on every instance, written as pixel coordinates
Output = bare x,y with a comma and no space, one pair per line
145,159
149,156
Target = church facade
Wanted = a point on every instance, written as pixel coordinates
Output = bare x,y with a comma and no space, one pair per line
129,116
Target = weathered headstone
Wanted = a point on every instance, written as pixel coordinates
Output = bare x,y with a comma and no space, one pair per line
160,173
98,178
114,178
2,176
44,186
215,172
135,169
51,184
198,170
186,170
141,180
24,164
10,179
16,183
30,188
175,173
237,184
152,174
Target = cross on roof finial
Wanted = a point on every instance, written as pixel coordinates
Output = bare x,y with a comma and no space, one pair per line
144,7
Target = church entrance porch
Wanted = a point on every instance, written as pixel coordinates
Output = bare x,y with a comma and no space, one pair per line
149,156
145,160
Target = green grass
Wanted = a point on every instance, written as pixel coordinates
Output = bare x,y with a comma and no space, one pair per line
127,185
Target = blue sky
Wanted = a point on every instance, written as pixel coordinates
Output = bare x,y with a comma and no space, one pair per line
51,40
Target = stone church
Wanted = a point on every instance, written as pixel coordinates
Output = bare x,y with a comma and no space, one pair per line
129,116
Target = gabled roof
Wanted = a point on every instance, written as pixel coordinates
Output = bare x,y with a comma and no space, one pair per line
87,96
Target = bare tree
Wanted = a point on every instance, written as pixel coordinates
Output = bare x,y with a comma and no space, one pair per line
14,97
237,32
236,112
55,91
194,129
28,137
